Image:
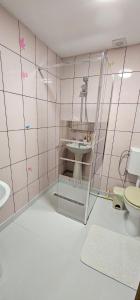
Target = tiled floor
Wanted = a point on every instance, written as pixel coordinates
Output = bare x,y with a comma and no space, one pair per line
40,253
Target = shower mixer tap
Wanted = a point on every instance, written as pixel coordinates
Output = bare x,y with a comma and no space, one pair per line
83,96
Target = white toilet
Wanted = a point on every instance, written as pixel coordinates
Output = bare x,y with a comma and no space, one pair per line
132,194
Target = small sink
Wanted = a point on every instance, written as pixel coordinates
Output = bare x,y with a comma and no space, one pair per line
79,149
4,193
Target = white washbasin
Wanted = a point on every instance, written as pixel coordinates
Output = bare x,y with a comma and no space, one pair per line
79,148
4,193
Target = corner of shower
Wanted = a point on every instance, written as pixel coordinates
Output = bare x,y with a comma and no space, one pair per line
80,139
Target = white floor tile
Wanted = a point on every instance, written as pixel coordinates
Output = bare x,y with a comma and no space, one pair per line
40,253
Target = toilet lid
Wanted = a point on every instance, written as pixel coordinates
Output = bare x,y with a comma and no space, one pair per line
132,194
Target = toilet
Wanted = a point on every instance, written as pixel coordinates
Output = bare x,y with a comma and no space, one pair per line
132,195
132,204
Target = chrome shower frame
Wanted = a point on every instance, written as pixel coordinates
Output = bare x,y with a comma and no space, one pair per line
83,96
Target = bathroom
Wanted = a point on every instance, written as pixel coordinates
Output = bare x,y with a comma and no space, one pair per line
69,150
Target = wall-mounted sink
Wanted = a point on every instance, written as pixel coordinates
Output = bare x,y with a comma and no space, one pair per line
4,193
79,149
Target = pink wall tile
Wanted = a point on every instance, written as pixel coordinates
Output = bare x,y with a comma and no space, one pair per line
107,88
81,69
113,115
91,111
17,145
57,115
2,113
52,61
67,71
77,88
109,142
42,85
51,87
51,114
30,112
58,90
25,111
42,139
31,142
106,165
121,142
43,182
4,150
14,111
114,167
1,82
41,53
66,112
130,88
76,112
137,120
42,110
51,138
52,176
21,199
11,71
28,78
67,91
104,184
43,163
33,189
93,85
28,51
95,64
32,169
116,60
51,159
128,111
19,175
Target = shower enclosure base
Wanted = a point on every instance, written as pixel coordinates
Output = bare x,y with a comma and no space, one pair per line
70,199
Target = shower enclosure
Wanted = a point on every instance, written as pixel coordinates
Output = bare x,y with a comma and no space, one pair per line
83,122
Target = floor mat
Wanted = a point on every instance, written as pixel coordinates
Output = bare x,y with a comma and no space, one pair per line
113,254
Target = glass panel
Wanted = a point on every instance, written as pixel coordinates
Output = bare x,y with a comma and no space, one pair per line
83,106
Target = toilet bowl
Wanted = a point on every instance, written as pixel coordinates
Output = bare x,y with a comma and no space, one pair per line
132,203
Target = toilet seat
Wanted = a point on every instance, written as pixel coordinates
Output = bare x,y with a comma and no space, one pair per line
132,195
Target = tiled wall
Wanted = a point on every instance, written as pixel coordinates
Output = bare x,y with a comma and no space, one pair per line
124,122
29,114
30,110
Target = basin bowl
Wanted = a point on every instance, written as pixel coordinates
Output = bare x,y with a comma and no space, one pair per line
79,149
4,193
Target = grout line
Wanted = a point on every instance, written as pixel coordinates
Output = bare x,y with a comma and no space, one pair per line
23,113
6,118
37,109
116,117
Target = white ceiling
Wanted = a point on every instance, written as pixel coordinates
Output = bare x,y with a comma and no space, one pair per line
73,27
